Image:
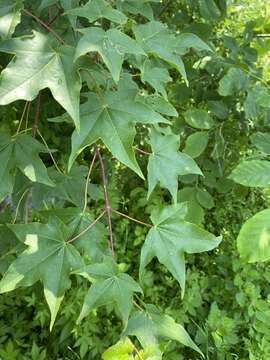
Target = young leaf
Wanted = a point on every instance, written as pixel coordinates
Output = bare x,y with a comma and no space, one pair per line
157,40
48,258
252,173
199,119
38,65
98,9
109,286
21,152
152,326
172,237
10,17
166,163
253,241
112,119
111,45
120,351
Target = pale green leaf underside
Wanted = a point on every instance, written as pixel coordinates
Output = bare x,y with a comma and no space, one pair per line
10,17
112,119
172,237
252,173
166,163
253,241
37,66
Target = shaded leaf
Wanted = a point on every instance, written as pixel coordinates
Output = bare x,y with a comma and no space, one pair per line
234,81
196,143
10,17
252,173
199,119
261,141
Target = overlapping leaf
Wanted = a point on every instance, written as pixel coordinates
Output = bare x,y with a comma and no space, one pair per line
112,45
98,9
21,152
109,287
166,163
171,237
38,65
252,173
10,16
112,119
48,257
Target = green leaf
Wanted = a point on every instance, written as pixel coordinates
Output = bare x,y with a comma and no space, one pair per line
21,153
166,163
253,241
261,141
98,9
38,65
187,41
48,258
234,81
172,237
156,77
112,45
109,286
10,17
252,173
196,144
152,326
137,7
205,199
199,119
120,351
111,117
157,40
263,99
209,10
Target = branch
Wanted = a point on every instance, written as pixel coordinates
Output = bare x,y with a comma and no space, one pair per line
132,219
86,229
108,208
46,26
142,151
87,181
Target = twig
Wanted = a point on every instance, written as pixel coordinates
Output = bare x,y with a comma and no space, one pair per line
263,35
18,206
142,151
22,117
88,228
37,115
132,219
87,182
41,22
106,198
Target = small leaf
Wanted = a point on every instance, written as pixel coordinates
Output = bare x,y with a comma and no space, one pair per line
152,326
172,237
205,199
253,241
252,173
98,9
166,163
196,144
109,286
199,119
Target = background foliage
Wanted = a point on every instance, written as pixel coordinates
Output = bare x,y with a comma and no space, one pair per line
222,123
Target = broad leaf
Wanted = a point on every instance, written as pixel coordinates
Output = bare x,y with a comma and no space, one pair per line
136,7
98,9
48,258
253,241
172,237
166,163
196,144
111,118
21,152
152,326
109,286
233,82
199,119
157,40
39,65
10,17
112,45
261,141
252,173
187,41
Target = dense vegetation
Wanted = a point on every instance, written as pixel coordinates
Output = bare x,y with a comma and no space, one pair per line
134,148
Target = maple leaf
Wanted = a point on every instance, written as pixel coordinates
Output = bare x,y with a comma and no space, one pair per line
48,257
109,286
171,237
166,162
21,152
112,45
111,117
37,65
